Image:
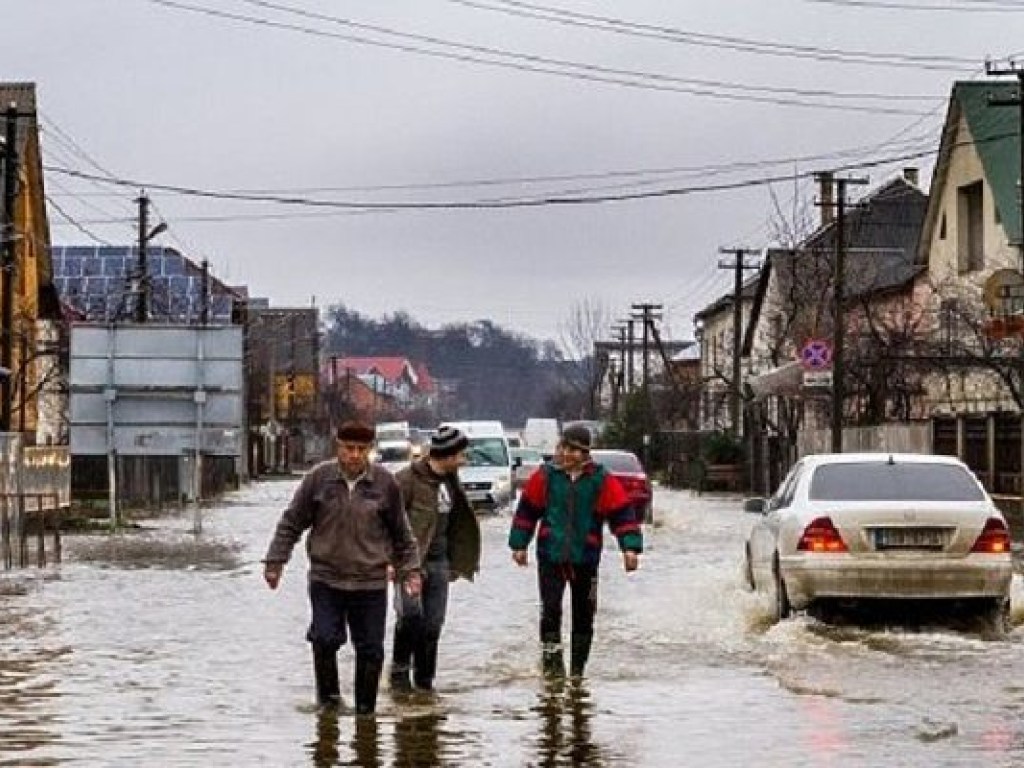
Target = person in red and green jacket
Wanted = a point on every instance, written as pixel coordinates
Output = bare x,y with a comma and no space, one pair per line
567,502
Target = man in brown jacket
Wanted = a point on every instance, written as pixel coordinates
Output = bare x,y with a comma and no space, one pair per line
448,536
357,528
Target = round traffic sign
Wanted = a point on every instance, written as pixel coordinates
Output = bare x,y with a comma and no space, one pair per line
816,355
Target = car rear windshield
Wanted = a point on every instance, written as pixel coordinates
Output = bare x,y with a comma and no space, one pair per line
883,481
618,462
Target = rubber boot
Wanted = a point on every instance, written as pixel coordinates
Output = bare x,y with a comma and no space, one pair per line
401,658
426,665
579,652
367,681
552,661
325,672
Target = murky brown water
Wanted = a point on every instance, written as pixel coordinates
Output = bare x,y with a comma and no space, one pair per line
160,650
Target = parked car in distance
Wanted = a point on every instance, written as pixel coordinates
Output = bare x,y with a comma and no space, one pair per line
487,474
626,467
393,455
524,462
850,528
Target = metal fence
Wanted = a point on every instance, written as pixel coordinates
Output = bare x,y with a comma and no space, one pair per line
909,437
35,491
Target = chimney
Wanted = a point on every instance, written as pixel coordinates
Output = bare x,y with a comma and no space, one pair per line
911,176
826,197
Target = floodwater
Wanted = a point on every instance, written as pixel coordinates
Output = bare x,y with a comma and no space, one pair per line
160,649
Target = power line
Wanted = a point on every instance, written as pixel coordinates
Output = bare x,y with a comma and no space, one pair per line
981,6
745,45
77,225
545,65
535,202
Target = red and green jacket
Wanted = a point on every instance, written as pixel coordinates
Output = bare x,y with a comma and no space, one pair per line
571,515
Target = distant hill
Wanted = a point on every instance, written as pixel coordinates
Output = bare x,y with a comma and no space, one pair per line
488,371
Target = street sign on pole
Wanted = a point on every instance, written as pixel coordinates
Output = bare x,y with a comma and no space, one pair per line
818,379
816,355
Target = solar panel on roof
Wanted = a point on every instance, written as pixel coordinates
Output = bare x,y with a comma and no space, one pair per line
97,282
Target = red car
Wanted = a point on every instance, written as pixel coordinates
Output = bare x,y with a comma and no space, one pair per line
626,467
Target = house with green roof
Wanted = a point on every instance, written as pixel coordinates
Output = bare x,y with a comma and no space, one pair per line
970,244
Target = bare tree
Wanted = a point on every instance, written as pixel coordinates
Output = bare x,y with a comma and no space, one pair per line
589,321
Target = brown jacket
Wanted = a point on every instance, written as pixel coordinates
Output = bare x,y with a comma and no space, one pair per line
419,485
353,536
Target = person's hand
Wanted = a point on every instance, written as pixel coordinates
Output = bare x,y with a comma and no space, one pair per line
391,572
630,560
413,584
520,557
272,574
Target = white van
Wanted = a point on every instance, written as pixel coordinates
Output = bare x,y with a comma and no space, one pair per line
541,434
487,476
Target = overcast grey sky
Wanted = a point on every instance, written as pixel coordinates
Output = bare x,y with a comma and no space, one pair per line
277,101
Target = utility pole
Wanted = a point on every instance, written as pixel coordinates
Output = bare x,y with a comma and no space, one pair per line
738,266
630,341
647,315
142,287
8,239
838,315
1014,101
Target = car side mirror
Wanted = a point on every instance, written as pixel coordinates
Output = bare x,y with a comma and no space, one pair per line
756,505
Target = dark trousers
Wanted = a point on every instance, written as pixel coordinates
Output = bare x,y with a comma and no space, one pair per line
338,613
419,623
552,579
363,614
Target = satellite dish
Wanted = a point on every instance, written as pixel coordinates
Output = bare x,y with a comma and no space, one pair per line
1004,292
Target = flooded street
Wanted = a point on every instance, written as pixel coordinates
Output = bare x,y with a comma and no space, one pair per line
156,650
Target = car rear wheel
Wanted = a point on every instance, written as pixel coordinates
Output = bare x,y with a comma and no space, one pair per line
995,618
783,610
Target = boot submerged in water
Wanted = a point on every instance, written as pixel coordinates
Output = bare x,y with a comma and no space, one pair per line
552,660
325,672
367,682
579,653
399,678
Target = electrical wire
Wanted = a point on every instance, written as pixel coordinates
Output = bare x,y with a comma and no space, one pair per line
561,68
982,6
534,202
725,42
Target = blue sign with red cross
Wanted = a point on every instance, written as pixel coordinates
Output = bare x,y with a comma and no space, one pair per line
816,355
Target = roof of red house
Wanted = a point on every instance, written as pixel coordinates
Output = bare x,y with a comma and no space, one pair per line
425,382
390,368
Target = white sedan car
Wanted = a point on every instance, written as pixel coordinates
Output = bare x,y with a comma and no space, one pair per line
853,527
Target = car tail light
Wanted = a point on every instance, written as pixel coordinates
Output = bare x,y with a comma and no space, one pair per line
821,536
994,539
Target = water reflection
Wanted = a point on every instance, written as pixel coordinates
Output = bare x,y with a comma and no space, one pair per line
566,739
366,743
418,741
325,750
28,686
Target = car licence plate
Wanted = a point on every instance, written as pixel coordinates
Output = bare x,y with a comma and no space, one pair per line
909,538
